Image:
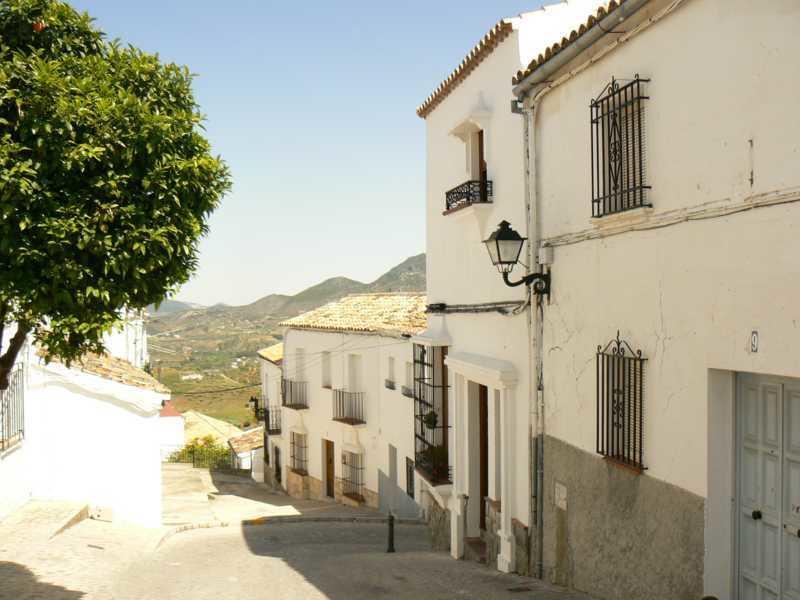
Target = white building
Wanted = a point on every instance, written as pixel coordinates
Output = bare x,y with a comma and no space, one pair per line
248,452
348,421
171,425
476,404
664,188
270,361
86,434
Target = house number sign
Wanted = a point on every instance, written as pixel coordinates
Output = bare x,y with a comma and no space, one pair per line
754,341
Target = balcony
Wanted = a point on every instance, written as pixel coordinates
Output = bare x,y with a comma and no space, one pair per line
294,394
272,420
467,194
348,407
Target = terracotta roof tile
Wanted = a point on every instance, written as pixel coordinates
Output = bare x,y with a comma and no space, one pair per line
168,410
273,354
481,50
385,313
591,21
116,369
249,440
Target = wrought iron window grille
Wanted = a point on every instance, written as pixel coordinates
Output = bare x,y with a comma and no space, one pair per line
352,480
294,394
298,453
618,153
431,429
477,191
348,407
12,410
620,403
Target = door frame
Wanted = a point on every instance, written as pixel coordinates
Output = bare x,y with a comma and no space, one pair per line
329,457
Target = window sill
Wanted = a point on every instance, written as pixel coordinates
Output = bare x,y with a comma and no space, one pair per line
635,469
624,219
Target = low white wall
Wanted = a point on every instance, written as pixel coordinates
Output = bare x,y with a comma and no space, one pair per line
95,447
171,435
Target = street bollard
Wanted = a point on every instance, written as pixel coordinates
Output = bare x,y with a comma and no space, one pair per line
391,533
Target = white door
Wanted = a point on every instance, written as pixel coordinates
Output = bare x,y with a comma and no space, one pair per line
768,488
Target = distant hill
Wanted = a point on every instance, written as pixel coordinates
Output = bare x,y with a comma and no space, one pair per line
408,276
172,306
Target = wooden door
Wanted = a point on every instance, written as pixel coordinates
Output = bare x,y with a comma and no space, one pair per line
329,469
278,464
483,416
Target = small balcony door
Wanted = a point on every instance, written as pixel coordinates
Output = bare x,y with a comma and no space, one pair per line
329,469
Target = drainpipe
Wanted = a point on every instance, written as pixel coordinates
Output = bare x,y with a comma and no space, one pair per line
536,331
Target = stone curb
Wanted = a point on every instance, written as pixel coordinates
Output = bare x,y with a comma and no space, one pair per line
277,520
80,514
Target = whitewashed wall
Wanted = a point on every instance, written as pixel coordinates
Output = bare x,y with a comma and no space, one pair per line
93,440
688,294
171,435
389,414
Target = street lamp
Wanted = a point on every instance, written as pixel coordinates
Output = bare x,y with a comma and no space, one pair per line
505,246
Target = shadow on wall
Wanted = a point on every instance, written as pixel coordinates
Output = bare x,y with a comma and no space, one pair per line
20,582
393,497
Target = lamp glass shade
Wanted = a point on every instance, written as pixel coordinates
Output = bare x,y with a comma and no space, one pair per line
504,246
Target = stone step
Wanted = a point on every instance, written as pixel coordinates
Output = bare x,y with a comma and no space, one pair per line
475,550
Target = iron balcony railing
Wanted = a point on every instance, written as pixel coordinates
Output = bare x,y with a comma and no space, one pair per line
348,407
12,410
470,192
294,394
272,419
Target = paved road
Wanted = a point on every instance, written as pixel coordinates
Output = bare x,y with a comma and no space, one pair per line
313,561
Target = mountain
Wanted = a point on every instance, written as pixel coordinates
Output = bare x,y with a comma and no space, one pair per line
408,276
172,306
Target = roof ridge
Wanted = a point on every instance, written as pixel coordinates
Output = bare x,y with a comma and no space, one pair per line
499,32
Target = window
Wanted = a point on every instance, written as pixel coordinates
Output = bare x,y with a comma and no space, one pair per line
353,475
12,410
389,383
408,387
430,413
326,370
477,189
618,148
299,453
410,477
620,403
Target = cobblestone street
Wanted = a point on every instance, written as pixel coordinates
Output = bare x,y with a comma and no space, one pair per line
98,561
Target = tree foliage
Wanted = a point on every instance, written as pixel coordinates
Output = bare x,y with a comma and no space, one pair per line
106,179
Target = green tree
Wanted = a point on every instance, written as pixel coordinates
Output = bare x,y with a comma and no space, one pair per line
106,179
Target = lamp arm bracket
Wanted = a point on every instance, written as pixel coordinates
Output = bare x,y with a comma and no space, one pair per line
539,281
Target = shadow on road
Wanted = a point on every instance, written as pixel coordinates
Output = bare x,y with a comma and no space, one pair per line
20,582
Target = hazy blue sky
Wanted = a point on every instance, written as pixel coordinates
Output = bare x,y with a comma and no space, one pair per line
312,106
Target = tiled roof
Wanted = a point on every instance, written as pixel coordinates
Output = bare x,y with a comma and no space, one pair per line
168,410
386,313
273,354
197,425
117,369
592,21
481,50
249,440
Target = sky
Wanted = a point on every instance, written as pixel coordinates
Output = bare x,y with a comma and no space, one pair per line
312,105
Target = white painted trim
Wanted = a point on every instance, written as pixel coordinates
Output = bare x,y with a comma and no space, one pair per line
491,372
353,448
298,429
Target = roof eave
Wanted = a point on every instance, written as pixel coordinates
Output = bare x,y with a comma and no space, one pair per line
542,72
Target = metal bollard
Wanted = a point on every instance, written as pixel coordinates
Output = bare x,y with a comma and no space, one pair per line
390,548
